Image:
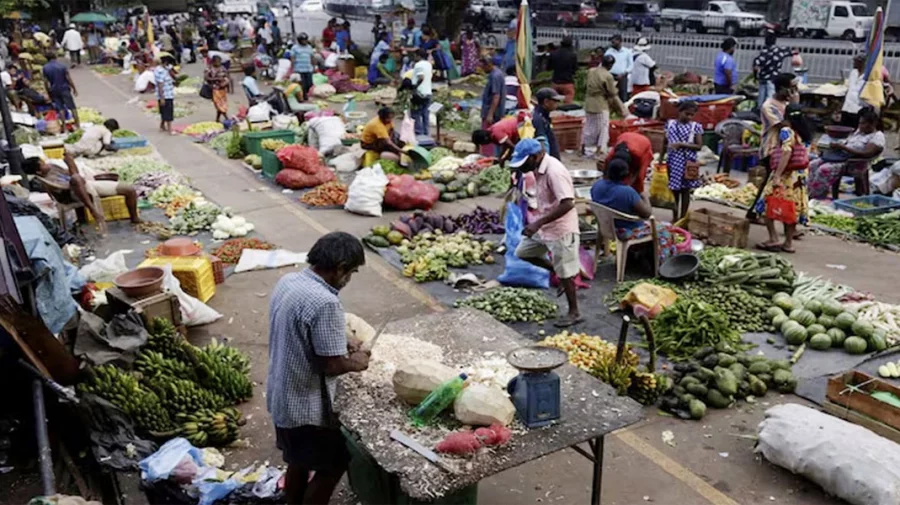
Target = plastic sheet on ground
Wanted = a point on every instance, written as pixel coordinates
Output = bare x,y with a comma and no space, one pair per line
257,259
99,342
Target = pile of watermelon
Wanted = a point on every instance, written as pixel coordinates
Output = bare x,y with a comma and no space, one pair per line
823,325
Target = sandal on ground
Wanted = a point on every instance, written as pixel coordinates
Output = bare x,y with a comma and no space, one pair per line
769,247
790,250
566,322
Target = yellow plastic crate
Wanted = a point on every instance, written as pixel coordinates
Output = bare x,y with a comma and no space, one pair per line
56,153
195,273
114,209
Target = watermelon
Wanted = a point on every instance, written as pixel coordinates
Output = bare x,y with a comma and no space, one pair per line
826,320
778,320
815,328
832,307
820,342
862,328
774,311
855,345
845,321
803,316
783,327
814,306
837,336
877,343
784,302
795,335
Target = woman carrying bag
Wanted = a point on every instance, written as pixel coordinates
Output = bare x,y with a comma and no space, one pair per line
785,197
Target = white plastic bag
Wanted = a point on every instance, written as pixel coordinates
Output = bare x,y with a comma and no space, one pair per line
283,72
258,259
106,269
260,112
160,464
193,311
408,130
185,54
366,192
322,90
142,81
126,64
329,131
284,121
347,162
847,460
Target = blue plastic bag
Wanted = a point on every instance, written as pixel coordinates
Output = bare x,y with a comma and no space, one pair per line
160,464
519,272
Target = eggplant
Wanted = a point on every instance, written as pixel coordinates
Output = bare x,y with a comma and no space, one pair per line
405,218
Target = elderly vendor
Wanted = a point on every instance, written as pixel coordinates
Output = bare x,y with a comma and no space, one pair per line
379,140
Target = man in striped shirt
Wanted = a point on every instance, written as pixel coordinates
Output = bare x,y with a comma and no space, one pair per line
302,56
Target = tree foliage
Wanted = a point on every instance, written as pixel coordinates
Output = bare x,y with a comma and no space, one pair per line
446,16
8,6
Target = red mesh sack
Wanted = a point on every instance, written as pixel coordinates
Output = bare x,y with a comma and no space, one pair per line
297,157
496,434
404,193
298,179
459,442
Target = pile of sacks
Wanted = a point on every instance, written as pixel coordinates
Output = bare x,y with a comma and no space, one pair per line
302,168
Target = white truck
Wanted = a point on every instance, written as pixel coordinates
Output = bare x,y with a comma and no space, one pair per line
830,18
237,7
723,16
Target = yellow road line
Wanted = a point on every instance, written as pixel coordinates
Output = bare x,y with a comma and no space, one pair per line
713,495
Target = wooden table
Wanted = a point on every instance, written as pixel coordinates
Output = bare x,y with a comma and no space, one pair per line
590,410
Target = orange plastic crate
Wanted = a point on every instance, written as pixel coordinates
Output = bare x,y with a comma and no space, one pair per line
195,273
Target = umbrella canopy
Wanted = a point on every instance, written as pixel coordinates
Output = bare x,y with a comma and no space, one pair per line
872,91
17,15
524,51
92,17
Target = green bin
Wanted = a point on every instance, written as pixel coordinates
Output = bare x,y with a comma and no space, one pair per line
711,140
253,140
271,165
373,485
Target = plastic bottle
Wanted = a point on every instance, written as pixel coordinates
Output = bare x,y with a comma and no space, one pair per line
438,400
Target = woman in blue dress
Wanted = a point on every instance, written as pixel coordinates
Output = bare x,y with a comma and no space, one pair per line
431,45
684,137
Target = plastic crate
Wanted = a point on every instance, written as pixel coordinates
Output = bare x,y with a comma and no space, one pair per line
568,132
657,136
711,114
271,165
253,140
878,204
195,273
373,485
621,126
129,142
56,153
218,268
114,209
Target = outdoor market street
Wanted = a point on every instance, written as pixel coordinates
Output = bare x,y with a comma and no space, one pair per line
710,461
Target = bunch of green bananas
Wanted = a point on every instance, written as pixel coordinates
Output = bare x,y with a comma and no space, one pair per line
165,340
615,374
217,373
229,355
153,364
123,390
208,427
647,387
182,395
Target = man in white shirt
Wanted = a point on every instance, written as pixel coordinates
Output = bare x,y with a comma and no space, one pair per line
852,102
643,66
72,42
622,68
421,99
94,140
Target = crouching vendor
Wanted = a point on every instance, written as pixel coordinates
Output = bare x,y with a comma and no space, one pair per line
379,139
68,184
504,134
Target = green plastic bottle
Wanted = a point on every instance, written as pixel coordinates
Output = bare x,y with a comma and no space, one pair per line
438,400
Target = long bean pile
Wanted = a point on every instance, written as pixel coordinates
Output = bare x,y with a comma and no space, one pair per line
689,325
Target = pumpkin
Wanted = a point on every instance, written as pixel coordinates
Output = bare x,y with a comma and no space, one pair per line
862,328
845,321
795,335
820,341
837,336
855,345
814,306
481,405
832,307
415,379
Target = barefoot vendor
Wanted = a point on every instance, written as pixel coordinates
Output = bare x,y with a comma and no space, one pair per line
308,349
379,140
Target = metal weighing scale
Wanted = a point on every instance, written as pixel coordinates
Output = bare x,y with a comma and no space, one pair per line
535,391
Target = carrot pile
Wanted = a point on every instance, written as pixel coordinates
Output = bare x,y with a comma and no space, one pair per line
330,193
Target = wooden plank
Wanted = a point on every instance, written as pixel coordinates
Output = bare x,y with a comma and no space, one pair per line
860,401
867,422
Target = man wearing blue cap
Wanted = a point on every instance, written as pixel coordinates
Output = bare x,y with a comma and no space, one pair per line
556,228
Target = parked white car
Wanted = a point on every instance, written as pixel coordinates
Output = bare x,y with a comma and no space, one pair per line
311,6
496,10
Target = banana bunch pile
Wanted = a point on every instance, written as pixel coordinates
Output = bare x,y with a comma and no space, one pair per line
647,387
228,355
220,374
208,427
182,395
617,375
153,364
165,340
124,391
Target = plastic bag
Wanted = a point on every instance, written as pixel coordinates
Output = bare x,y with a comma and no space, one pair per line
258,259
144,80
105,270
654,298
847,460
347,162
296,157
298,179
408,130
185,54
193,311
660,194
518,272
329,131
161,464
260,112
284,122
319,79
404,193
366,193
322,90
283,72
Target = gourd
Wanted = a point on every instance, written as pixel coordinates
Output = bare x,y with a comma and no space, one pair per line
414,380
482,405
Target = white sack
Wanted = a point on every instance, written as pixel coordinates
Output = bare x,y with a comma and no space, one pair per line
366,193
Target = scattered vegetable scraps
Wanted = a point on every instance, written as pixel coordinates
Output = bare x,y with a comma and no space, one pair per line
230,251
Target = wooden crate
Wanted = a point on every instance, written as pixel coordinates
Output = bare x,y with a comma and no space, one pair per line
860,401
164,305
867,422
718,228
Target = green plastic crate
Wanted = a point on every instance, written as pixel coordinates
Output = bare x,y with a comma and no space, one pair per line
271,165
253,140
373,485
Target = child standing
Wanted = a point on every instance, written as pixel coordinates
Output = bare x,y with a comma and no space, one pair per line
684,137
